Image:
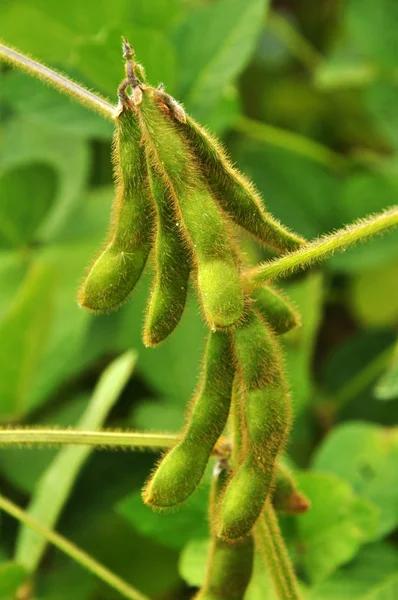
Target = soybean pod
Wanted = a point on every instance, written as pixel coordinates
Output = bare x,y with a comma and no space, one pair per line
286,497
235,194
202,224
169,292
229,566
279,313
180,471
265,418
116,271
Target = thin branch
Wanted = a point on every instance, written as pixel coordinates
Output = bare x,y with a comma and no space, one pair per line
269,541
100,439
56,80
293,142
73,551
320,249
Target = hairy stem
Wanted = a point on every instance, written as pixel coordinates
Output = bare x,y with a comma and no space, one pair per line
270,543
102,439
84,559
320,249
62,83
293,142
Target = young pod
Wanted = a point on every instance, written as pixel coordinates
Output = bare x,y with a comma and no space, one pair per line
203,225
180,471
116,271
169,292
265,418
234,193
286,497
276,310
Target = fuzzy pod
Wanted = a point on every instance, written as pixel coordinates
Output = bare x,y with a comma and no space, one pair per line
181,470
276,310
286,497
203,225
169,292
116,271
229,566
234,193
265,418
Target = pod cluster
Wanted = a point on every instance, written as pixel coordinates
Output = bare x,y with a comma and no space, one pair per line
177,199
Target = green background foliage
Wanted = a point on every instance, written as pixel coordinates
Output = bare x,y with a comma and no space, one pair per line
304,95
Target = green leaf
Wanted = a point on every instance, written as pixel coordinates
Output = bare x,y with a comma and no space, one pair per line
25,142
64,581
333,530
12,576
297,191
193,561
13,269
24,331
366,455
50,108
173,529
387,386
371,576
373,28
57,482
214,44
26,196
380,100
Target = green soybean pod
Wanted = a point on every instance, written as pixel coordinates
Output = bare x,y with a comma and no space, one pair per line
229,566
279,313
235,194
180,471
169,292
286,497
266,420
116,271
203,225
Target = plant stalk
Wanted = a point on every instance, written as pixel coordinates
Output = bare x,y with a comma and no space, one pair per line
320,249
272,548
58,81
73,551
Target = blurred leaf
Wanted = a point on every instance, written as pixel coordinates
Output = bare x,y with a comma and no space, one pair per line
12,576
374,296
64,582
173,529
214,43
50,108
26,196
193,561
157,14
371,576
13,268
25,142
338,524
56,483
387,386
366,455
373,28
24,331
297,191
381,102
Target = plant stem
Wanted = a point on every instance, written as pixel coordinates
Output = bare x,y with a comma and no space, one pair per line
298,45
62,83
101,439
291,141
319,249
270,543
73,551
